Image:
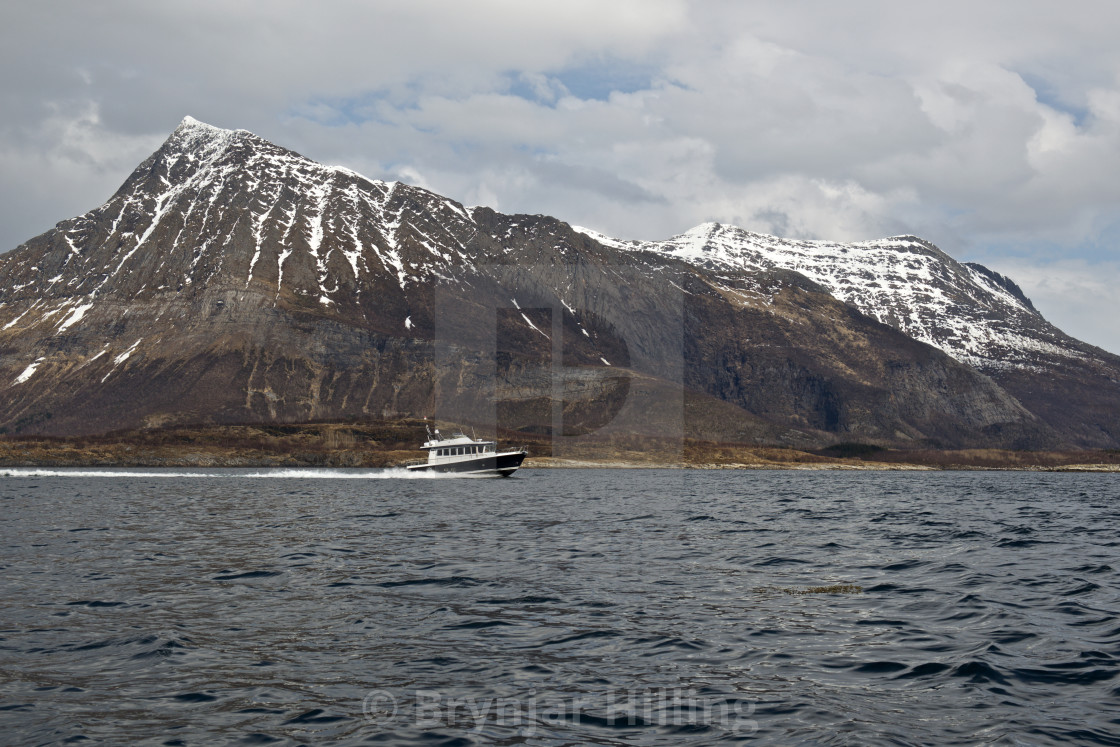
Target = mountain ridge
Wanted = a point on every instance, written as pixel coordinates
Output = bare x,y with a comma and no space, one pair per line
889,279
233,280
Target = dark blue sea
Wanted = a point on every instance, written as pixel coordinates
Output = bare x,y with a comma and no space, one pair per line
559,607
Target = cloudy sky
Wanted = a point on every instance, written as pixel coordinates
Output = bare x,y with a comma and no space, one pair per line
990,128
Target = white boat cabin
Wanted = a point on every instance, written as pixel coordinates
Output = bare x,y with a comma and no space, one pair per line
456,448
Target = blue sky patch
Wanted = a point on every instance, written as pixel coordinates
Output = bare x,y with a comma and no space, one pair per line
1050,94
598,80
592,81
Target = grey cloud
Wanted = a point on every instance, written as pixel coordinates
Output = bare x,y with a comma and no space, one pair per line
599,181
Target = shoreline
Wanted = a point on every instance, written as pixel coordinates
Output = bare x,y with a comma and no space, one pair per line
549,463
822,467
387,444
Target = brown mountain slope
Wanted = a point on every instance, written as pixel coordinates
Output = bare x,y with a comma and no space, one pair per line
232,281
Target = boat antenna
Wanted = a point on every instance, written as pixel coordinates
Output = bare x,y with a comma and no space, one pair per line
474,435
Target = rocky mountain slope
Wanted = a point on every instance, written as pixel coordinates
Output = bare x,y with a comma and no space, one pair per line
970,312
230,280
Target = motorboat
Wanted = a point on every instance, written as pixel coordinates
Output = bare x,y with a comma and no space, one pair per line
469,456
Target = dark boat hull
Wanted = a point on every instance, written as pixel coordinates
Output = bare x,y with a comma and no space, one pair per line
489,465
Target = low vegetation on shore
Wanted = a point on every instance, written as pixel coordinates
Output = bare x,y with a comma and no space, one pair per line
393,443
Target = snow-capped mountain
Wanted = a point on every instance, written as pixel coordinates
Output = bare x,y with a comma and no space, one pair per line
972,313
232,280
224,206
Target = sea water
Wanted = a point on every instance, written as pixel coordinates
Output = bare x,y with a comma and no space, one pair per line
628,607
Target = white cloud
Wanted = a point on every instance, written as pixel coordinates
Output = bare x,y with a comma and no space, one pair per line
70,163
1075,295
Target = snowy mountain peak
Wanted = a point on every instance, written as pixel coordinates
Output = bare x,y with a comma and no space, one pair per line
200,143
196,129
190,122
225,208
972,313
704,229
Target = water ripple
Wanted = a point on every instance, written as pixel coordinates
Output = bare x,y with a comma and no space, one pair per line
559,607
